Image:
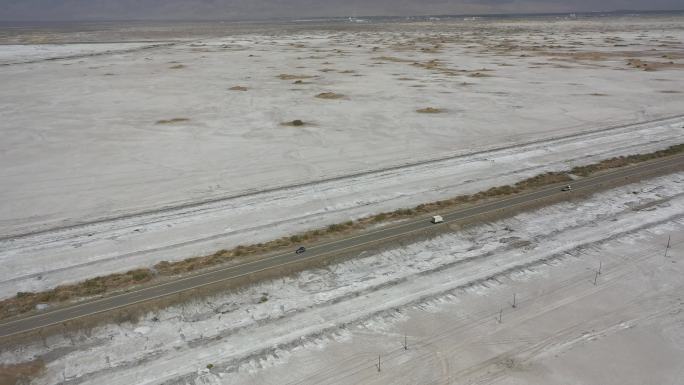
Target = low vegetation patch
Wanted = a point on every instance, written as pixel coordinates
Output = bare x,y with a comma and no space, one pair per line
430,110
329,95
295,123
22,373
171,121
479,74
652,65
25,302
392,59
238,88
177,67
293,77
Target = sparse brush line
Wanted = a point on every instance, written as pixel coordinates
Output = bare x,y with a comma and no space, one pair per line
94,54
252,192
25,302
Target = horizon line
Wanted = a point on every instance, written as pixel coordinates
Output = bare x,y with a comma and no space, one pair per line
314,18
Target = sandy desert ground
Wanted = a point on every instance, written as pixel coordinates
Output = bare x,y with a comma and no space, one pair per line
98,128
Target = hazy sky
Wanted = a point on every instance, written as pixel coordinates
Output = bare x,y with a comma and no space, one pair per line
18,10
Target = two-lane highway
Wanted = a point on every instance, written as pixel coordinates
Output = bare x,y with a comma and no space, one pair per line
88,308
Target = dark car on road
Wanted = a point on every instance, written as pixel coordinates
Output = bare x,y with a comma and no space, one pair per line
300,250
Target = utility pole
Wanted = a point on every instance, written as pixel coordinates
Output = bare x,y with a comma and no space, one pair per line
378,365
668,245
500,315
405,342
600,267
514,304
596,277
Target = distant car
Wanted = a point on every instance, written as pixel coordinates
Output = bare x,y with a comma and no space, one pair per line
567,188
300,250
437,219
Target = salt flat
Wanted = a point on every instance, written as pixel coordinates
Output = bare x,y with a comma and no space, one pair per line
140,128
81,137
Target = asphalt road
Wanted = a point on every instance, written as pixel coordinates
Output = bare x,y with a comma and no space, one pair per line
84,309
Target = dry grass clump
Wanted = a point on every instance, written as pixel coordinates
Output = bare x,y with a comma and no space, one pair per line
639,64
430,110
171,121
177,67
479,74
25,302
238,88
434,49
293,77
653,65
392,59
431,65
588,56
436,65
295,123
329,95
23,373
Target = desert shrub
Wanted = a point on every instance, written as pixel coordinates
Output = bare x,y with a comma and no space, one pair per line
293,77
141,275
430,110
171,121
329,95
335,227
380,217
